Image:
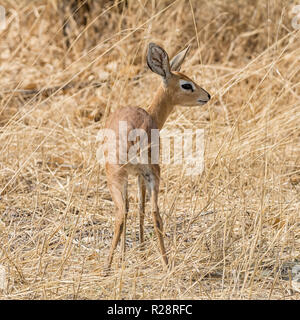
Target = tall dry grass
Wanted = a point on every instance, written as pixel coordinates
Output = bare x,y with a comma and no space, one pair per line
231,233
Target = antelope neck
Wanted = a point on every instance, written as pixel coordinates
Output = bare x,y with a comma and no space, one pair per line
161,106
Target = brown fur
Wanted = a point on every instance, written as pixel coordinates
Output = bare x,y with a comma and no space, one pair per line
167,97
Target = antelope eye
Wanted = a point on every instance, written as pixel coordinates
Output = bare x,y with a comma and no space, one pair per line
187,86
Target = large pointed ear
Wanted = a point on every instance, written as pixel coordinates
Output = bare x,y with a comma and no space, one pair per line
177,61
158,60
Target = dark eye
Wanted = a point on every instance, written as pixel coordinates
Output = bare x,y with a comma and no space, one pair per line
187,86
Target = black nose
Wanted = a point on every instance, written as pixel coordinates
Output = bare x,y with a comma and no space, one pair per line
208,96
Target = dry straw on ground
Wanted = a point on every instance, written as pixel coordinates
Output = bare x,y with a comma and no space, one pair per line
231,233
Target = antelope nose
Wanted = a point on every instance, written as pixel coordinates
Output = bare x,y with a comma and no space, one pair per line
208,96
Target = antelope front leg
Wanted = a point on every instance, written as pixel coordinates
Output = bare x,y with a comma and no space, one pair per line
158,224
141,197
123,241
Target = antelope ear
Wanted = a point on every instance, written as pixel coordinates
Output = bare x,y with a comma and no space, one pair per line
158,61
177,61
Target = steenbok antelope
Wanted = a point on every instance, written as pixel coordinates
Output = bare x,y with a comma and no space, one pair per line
176,89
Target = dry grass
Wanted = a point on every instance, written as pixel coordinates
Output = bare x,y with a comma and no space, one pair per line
56,214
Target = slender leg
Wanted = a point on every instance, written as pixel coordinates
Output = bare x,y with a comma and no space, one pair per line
141,196
158,224
123,240
118,192
123,243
